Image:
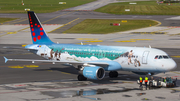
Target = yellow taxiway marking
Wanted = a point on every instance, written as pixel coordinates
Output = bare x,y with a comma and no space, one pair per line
86,39
28,66
31,66
16,66
133,40
126,41
159,23
64,25
23,45
11,32
65,73
94,41
124,21
176,56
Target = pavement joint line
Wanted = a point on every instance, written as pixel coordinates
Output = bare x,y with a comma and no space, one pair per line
164,29
16,54
175,89
174,72
57,88
64,25
57,17
19,21
7,22
3,35
42,22
29,64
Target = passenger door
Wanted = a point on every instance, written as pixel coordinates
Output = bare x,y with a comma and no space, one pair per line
145,57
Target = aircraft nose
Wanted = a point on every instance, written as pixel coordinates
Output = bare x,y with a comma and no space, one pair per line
171,65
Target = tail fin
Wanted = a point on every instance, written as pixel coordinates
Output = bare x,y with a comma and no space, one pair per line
38,34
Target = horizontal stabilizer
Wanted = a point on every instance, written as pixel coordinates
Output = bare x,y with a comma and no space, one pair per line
5,59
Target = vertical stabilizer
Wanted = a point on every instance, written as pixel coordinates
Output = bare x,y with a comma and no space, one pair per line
38,34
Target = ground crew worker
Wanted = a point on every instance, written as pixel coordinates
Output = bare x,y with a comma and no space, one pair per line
146,80
165,80
140,80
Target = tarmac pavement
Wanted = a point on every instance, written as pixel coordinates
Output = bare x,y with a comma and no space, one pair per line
23,81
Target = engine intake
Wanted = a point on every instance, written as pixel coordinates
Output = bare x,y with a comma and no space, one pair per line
95,72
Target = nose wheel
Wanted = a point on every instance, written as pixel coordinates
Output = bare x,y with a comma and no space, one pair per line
113,74
81,78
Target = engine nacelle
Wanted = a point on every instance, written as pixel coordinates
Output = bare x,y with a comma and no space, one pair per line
94,72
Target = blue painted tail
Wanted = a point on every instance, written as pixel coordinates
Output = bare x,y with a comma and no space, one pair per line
38,34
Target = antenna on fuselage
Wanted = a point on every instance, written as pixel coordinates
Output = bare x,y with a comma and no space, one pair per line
149,46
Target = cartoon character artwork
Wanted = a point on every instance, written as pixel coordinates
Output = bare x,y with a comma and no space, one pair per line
136,62
55,55
51,54
129,57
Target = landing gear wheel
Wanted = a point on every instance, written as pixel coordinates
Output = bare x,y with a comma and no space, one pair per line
81,78
113,74
150,84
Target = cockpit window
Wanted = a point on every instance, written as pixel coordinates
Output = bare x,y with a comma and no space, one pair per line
165,57
156,57
161,57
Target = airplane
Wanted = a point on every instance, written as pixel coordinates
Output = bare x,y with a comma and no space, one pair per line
92,61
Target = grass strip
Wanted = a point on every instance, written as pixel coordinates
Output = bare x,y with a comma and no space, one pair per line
141,8
102,26
39,6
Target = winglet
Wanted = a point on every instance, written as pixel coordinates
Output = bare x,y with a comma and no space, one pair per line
5,59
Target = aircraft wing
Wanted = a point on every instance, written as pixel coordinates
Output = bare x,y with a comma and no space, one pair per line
102,64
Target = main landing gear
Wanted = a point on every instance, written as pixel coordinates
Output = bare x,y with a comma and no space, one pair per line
81,77
113,74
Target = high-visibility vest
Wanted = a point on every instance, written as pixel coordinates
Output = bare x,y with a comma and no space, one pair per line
140,79
146,79
164,80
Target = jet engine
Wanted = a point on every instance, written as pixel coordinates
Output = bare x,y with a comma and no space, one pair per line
93,72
